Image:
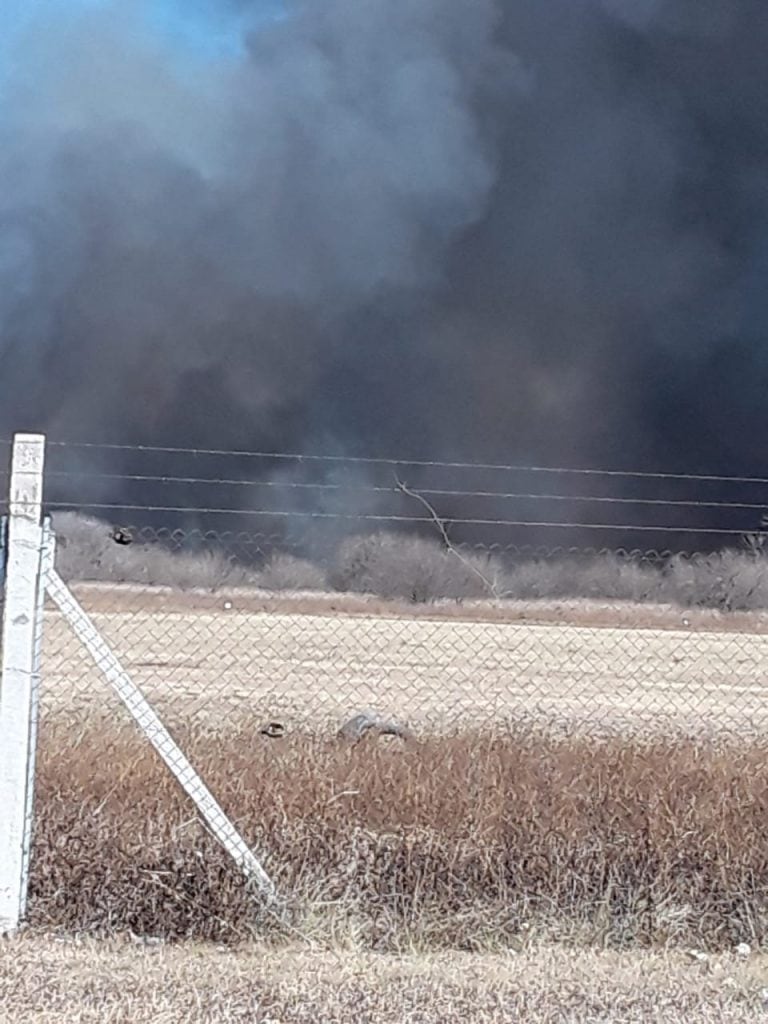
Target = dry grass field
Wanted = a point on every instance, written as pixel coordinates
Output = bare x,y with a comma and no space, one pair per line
478,842
310,660
495,876
51,980
516,873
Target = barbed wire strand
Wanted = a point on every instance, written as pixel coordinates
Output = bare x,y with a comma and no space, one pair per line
424,463
430,492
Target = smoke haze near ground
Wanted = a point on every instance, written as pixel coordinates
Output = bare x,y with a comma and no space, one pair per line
512,230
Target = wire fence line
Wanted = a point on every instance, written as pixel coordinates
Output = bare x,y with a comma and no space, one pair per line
351,459
480,501
306,596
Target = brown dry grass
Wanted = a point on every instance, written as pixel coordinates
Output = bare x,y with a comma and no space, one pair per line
480,842
45,980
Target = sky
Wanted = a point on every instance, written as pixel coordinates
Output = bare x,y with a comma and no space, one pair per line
198,29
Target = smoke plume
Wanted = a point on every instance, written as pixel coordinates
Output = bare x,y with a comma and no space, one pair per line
515,230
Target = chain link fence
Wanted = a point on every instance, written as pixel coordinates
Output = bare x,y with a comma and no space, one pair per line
302,615
216,638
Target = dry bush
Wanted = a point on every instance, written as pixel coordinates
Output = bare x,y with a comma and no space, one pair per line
284,571
412,568
729,580
604,576
471,842
397,566
86,550
83,543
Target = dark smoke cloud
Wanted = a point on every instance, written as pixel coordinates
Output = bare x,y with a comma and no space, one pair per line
166,241
522,230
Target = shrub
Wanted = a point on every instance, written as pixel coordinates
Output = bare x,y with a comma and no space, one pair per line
284,571
398,566
605,576
86,551
729,580
419,570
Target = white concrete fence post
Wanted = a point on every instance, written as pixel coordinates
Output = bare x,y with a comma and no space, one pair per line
19,668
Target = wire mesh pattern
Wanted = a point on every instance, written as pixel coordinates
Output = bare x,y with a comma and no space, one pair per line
240,660
419,595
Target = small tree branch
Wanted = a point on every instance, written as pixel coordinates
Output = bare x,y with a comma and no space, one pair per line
443,529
